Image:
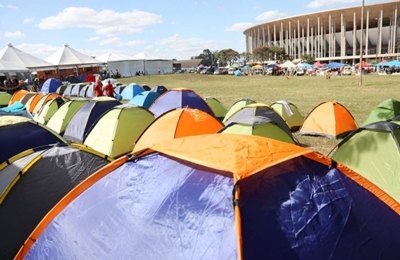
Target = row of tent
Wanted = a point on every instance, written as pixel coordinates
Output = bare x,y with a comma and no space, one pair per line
186,183
86,90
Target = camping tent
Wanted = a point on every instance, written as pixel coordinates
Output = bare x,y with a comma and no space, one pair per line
258,113
159,89
289,112
86,116
18,136
76,89
265,129
144,99
61,118
51,85
330,119
237,106
43,100
177,123
32,184
217,107
221,197
4,99
131,90
374,152
115,133
17,96
48,109
179,98
33,101
386,110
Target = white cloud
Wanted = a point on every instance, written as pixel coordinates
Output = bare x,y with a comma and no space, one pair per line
40,50
238,27
178,44
118,42
16,34
92,39
8,6
271,15
29,20
104,22
323,3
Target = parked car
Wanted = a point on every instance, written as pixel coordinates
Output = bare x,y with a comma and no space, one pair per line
347,70
273,69
299,71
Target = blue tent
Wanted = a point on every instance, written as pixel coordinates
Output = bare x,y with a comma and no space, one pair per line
86,116
391,63
51,85
335,65
131,90
178,98
144,99
221,197
305,65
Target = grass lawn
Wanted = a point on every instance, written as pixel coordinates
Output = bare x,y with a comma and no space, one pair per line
303,91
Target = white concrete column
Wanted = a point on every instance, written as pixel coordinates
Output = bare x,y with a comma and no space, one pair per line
308,37
354,34
342,35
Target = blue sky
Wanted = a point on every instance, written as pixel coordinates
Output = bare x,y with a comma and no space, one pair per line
143,29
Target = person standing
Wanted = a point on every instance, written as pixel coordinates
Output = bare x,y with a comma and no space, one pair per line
98,88
109,90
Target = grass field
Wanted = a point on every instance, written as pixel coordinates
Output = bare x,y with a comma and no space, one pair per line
305,92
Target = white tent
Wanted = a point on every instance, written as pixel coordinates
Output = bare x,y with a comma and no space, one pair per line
6,66
21,59
109,57
288,64
67,57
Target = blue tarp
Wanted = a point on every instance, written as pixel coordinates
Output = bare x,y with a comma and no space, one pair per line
335,65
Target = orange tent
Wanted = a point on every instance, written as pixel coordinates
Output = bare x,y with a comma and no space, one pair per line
330,119
177,123
17,96
30,105
43,100
220,197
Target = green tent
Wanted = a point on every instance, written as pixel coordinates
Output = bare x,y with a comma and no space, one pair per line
374,152
290,114
236,107
48,110
59,121
115,133
265,129
4,99
386,110
217,107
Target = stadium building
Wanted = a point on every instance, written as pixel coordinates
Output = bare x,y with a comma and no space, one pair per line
334,35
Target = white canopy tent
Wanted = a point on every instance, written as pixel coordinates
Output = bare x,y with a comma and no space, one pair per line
67,57
21,59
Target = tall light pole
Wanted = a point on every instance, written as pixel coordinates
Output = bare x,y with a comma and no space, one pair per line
361,42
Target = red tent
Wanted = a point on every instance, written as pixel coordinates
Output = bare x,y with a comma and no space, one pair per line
364,64
318,64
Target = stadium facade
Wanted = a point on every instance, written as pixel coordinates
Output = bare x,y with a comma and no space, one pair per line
334,35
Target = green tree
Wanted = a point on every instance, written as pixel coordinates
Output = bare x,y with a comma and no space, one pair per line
262,53
227,57
278,53
207,58
308,58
